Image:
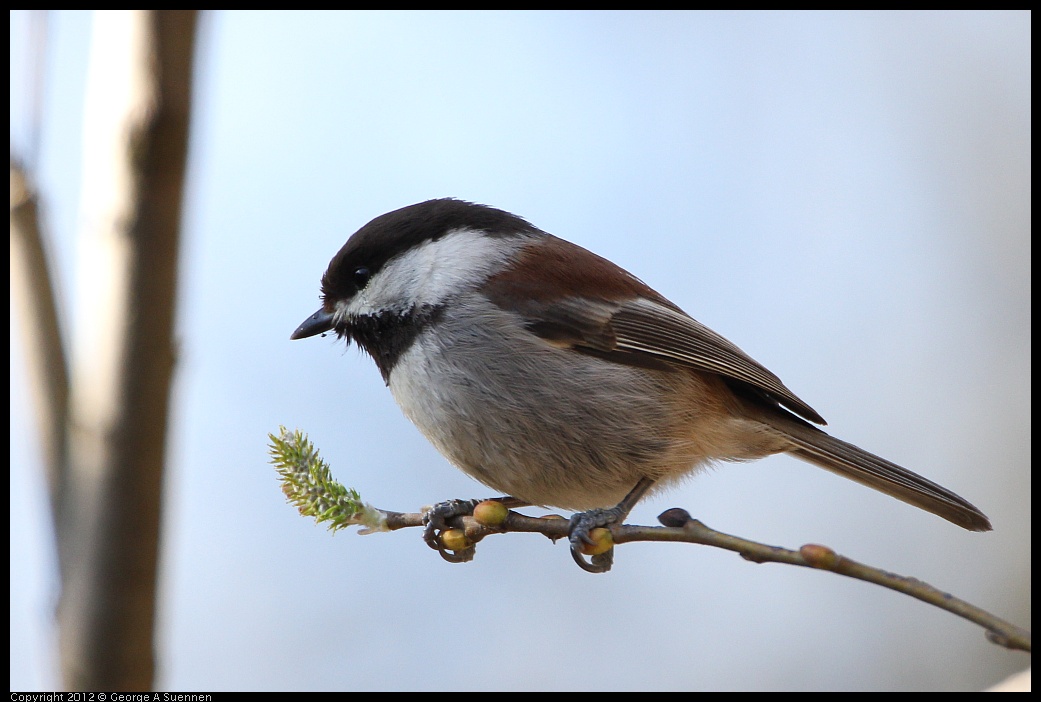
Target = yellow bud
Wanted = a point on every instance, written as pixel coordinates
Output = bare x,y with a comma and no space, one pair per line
602,542
490,513
455,540
819,556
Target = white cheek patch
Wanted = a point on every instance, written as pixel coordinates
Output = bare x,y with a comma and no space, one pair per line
433,272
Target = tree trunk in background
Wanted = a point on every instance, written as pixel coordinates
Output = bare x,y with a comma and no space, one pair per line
136,136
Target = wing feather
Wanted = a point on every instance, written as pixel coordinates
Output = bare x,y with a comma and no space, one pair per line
624,321
644,332
645,326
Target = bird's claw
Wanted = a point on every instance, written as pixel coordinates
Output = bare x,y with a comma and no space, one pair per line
579,534
436,521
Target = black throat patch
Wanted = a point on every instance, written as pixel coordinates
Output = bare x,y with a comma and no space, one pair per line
388,335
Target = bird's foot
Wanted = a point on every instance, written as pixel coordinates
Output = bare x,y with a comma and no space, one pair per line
436,521
598,546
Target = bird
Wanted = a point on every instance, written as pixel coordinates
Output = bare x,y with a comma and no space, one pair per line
557,378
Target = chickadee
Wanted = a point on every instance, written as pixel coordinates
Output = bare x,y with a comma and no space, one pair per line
552,375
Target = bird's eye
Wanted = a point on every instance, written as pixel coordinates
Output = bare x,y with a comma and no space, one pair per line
361,276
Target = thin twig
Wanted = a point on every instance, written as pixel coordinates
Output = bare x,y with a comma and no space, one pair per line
680,527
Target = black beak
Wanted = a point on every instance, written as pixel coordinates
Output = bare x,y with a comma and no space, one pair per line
318,323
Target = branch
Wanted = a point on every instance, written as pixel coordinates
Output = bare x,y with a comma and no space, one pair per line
135,150
32,290
308,484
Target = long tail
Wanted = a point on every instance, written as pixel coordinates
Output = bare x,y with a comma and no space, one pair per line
855,463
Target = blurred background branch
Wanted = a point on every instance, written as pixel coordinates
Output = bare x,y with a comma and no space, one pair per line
102,427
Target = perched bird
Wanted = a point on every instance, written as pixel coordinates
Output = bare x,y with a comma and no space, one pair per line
556,377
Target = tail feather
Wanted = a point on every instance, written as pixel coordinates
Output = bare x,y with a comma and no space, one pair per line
855,463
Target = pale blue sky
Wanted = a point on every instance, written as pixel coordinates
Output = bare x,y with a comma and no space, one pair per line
846,196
